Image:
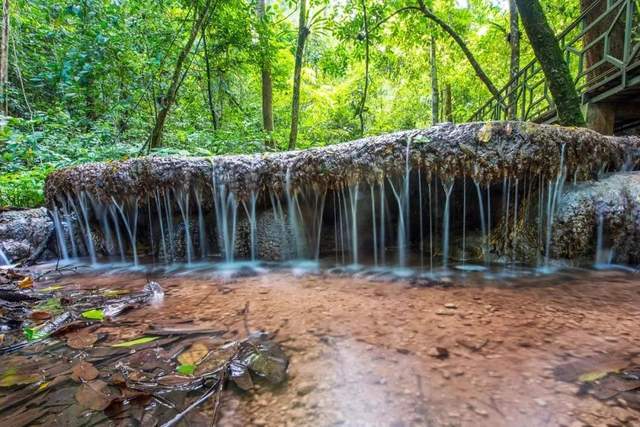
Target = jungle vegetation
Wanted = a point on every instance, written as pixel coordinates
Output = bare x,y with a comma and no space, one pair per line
95,80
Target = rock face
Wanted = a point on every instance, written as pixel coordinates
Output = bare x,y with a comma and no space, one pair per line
22,232
429,188
600,216
483,151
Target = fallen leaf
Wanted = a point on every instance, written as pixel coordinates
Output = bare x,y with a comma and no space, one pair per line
52,305
194,354
186,369
81,339
51,288
137,341
94,314
34,334
84,371
592,376
12,377
94,395
111,293
26,283
40,315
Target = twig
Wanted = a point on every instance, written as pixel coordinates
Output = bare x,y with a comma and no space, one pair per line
214,389
245,318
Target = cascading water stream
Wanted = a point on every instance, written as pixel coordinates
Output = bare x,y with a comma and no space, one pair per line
3,258
448,189
553,197
184,223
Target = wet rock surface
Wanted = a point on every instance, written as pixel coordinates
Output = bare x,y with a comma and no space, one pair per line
483,151
22,232
603,213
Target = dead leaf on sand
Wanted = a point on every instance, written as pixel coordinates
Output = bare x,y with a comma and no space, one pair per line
81,339
84,371
194,354
94,395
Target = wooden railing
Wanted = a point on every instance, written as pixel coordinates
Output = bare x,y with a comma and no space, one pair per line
603,54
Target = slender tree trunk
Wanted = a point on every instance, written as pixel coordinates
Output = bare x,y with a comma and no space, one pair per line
556,70
448,106
170,97
212,110
514,67
4,58
265,68
435,96
303,33
363,101
456,37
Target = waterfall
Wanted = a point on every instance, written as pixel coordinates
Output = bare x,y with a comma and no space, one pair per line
448,188
374,233
552,201
353,204
405,211
226,208
57,224
483,227
292,214
3,258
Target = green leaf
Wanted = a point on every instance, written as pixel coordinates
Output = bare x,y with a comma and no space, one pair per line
34,334
51,305
11,377
52,288
112,293
592,376
186,369
95,314
137,341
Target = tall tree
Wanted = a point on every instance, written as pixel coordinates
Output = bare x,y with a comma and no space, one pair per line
435,96
448,105
556,71
4,58
265,68
303,33
365,90
207,62
170,97
514,65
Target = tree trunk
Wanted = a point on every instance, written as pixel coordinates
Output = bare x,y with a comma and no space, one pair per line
265,69
448,106
4,58
170,97
212,110
303,33
514,66
435,97
456,37
363,102
556,70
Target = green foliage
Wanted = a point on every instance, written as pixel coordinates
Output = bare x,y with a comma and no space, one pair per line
87,77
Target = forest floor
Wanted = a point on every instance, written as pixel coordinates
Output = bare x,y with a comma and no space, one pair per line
363,353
